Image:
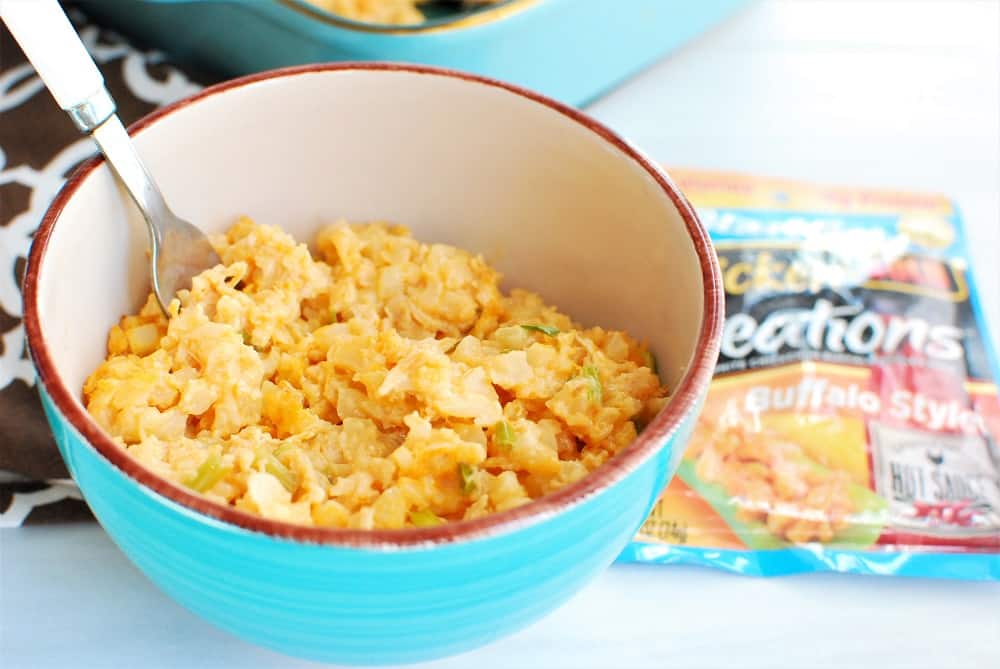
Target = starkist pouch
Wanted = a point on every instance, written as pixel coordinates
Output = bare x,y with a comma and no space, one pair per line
853,419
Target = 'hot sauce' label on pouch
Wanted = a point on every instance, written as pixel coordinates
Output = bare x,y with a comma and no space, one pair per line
855,403
938,485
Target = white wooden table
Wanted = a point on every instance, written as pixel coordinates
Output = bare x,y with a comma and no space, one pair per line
867,92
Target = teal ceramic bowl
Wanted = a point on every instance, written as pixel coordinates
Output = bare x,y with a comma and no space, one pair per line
572,50
559,203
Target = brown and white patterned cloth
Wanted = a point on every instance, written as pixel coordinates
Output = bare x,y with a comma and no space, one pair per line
39,149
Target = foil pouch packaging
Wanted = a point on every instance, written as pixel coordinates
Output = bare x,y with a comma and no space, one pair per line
853,421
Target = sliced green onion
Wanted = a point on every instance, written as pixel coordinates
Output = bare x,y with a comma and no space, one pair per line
275,468
425,518
544,329
209,473
468,475
281,472
503,434
651,362
596,391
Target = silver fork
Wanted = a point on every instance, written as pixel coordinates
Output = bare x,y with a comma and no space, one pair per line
178,250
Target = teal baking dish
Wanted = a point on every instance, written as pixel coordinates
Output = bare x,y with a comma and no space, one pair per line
572,50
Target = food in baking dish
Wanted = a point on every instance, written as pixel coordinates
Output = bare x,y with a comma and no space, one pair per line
393,12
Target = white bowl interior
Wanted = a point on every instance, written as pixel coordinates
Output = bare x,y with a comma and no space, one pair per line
557,208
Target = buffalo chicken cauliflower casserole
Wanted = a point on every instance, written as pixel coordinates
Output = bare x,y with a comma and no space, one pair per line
382,383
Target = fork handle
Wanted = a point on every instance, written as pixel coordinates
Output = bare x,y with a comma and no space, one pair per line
49,41
51,44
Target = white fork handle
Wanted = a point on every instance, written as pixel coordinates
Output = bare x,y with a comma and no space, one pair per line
53,47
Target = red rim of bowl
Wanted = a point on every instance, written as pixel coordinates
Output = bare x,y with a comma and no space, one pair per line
684,399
